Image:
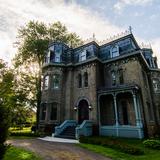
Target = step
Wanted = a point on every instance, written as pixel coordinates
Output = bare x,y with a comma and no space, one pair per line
68,133
65,136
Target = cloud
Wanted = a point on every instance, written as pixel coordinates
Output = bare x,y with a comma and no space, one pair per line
156,49
153,44
121,4
81,20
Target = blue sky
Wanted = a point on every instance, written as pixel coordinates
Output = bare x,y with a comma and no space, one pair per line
143,17
105,18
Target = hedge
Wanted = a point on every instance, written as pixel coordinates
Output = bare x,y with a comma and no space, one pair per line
151,143
112,143
26,134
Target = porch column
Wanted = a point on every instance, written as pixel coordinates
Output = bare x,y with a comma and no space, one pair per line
138,122
115,108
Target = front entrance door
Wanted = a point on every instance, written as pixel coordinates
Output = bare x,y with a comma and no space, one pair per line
83,111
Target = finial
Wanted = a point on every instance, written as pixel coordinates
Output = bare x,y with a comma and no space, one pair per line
94,37
130,29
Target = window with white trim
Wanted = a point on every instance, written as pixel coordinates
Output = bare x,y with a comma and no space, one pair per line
58,51
46,82
113,75
114,51
56,81
82,56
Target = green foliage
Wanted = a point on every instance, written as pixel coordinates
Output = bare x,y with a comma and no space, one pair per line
112,143
150,154
14,153
24,134
152,143
3,149
6,100
32,42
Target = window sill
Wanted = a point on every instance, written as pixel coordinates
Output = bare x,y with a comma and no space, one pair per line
86,87
57,89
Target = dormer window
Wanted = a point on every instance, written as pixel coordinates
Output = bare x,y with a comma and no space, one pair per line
51,54
54,54
58,54
114,51
82,56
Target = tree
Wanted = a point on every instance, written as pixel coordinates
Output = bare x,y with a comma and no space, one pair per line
6,100
32,42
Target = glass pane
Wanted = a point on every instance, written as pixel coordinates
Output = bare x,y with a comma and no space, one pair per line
46,82
56,81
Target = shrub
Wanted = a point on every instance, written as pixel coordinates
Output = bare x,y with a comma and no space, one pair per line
112,143
26,134
151,143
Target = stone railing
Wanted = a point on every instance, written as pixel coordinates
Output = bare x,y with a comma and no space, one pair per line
65,124
85,129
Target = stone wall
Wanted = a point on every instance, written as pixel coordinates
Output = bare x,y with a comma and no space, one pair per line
89,93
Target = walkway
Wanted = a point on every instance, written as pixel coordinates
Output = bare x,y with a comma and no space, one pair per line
56,150
61,140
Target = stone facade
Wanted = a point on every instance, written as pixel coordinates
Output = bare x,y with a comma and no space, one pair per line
115,85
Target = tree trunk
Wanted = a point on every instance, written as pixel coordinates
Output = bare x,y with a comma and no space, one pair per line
38,96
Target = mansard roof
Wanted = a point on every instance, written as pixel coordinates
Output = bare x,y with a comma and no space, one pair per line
103,51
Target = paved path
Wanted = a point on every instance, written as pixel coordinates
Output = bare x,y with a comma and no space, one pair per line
56,150
55,139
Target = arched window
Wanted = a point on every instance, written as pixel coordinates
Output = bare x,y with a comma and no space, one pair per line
56,81
79,80
46,82
85,79
115,51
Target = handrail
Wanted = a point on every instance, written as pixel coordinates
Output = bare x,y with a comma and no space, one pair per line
65,124
85,129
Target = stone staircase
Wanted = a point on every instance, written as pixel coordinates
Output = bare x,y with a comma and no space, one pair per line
68,132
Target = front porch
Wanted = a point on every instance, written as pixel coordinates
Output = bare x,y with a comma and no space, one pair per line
70,129
119,112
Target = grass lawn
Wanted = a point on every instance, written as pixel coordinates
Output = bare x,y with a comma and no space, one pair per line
25,129
25,133
150,154
14,153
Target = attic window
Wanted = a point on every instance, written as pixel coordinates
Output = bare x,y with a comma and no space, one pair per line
114,51
58,51
82,56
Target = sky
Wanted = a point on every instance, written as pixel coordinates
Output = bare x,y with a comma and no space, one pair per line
104,18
